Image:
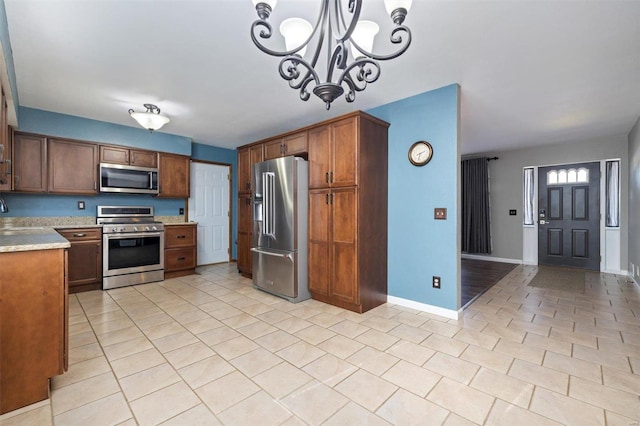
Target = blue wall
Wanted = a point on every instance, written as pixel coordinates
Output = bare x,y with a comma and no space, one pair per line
54,124
419,246
31,205
69,126
224,156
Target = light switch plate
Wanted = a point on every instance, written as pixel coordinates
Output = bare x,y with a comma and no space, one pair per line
440,213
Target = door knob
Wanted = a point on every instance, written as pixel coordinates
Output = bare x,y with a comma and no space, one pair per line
543,222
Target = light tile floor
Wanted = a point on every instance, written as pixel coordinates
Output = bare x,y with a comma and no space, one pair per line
210,349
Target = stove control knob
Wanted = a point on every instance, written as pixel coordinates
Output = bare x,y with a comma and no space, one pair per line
146,228
122,229
135,229
154,228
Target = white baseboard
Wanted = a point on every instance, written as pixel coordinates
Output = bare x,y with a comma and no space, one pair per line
436,310
618,272
491,258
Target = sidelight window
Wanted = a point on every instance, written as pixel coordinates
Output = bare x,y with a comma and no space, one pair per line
528,195
612,170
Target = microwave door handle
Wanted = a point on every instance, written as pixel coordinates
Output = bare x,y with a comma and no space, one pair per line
150,180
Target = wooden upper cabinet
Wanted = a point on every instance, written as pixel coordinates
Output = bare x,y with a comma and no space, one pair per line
273,149
73,167
244,170
256,155
288,145
319,157
143,158
173,175
333,150
126,156
344,137
5,147
30,163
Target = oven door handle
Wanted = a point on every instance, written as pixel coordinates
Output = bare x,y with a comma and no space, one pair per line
132,235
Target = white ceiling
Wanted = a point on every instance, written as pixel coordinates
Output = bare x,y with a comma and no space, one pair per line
531,72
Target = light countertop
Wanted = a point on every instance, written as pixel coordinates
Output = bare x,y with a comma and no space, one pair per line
31,238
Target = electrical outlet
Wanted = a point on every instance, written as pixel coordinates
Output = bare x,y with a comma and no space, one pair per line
81,205
513,212
440,213
436,282
181,210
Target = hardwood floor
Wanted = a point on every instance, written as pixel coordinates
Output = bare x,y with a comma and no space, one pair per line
480,275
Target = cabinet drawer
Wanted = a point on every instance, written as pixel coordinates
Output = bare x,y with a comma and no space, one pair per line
180,258
81,234
179,236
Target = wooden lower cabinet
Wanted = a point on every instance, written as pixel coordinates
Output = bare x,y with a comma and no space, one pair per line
333,251
85,258
244,235
33,325
180,250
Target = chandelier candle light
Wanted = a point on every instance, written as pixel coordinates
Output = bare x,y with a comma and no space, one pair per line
347,37
151,118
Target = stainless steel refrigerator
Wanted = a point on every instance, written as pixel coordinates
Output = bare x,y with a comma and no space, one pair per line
280,231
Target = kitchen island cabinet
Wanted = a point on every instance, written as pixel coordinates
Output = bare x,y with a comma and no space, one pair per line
33,319
85,258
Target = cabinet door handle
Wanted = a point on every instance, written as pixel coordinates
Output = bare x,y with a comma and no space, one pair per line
326,199
326,177
8,163
332,198
95,186
182,258
248,201
80,235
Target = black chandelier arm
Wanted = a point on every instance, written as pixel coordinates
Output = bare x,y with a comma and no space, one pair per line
400,35
290,72
338,60
368,71
354,8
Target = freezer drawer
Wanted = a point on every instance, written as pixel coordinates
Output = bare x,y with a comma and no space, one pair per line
276,272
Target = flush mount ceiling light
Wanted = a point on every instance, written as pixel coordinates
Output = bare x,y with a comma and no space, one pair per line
151,118
351,64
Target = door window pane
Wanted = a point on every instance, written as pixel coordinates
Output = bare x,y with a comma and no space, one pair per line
528,188
613,193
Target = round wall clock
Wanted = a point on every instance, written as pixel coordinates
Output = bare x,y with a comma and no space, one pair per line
420,153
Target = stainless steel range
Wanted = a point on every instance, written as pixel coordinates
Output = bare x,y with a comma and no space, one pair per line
133,246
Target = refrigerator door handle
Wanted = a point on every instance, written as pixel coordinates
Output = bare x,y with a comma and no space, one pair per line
268,213
269,253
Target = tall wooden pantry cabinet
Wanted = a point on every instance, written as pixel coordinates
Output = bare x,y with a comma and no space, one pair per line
348,212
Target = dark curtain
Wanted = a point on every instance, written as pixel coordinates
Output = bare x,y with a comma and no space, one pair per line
476,226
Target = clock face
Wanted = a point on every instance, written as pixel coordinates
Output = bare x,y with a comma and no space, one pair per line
420,153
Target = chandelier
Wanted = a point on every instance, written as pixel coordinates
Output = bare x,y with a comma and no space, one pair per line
151,118
351,64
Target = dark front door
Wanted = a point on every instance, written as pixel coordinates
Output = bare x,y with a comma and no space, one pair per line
569,215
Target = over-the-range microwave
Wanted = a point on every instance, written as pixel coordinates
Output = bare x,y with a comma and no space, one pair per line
128,179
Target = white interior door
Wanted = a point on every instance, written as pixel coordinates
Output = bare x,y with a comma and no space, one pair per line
209,206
